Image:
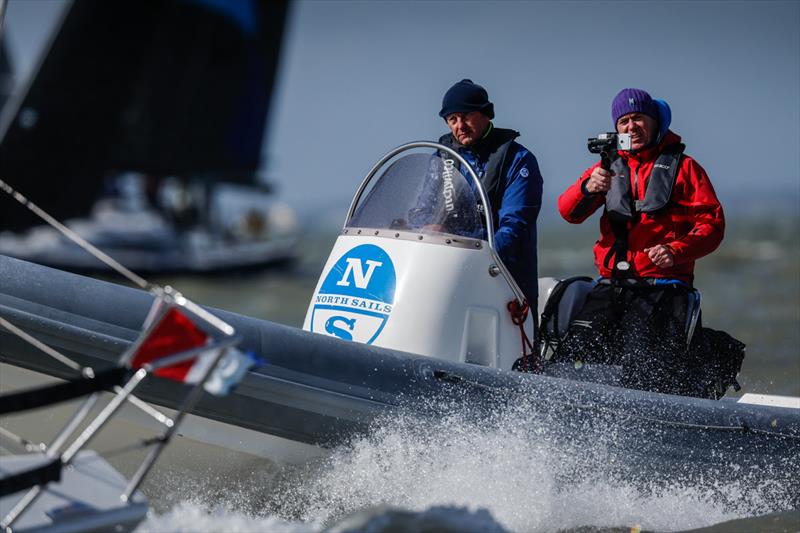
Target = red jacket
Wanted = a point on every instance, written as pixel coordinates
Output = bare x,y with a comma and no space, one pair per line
692,224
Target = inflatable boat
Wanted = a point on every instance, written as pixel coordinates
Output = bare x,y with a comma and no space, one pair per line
414,313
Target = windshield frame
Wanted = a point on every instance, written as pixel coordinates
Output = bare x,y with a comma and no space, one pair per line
488,222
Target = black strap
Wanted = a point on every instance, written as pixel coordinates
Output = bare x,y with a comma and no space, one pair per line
618,252
619,222
50,471
61,392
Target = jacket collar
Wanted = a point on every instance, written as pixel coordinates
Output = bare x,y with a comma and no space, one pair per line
492,139
652,153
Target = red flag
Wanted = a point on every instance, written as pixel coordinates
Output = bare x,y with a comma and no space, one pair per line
174,333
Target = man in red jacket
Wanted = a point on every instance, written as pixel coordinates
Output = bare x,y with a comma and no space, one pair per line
660,214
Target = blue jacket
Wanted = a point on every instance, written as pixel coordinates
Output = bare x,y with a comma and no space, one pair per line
518,184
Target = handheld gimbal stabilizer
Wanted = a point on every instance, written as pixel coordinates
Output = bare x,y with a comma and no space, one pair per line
607,144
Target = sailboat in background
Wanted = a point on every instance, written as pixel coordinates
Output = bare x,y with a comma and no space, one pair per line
143,127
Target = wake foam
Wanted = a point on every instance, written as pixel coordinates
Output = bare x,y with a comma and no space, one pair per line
505,470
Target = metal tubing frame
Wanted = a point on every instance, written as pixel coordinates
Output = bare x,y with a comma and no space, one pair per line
168,297
83,439
189,402
76,420
487,211
104,416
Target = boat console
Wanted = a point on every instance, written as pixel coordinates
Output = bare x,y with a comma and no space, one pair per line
415,266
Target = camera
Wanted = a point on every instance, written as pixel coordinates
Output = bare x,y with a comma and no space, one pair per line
609,142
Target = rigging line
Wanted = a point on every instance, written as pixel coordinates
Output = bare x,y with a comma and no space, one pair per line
77,239
147,408
138,445
87,372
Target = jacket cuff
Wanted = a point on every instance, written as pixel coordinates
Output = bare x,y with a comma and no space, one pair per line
672,250
584,190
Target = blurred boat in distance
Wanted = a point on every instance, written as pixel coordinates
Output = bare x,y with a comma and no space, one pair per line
142,126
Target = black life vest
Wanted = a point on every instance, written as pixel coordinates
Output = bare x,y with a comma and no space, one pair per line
621,207
493,150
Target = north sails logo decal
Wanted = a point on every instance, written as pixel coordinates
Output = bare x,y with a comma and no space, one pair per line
357,295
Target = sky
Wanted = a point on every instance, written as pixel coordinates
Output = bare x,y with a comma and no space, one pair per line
358,78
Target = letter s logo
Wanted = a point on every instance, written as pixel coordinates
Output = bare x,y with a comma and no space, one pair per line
333,329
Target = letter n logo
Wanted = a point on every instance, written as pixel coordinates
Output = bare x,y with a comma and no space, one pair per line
355,267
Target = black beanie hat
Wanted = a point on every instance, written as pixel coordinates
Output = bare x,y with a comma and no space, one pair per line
464,97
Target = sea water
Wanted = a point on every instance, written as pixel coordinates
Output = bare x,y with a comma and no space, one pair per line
458,476
464,474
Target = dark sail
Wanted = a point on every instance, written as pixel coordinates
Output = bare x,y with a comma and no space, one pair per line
162,87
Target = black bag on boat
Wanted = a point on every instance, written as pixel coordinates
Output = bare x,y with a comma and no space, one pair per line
717,359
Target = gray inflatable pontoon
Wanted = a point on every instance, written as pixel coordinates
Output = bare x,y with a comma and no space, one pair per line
322,391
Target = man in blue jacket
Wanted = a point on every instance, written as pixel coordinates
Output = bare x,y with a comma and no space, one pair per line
509,174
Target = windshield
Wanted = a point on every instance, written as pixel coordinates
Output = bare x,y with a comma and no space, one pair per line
421,193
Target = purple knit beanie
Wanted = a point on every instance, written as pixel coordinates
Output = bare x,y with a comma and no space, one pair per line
633,101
